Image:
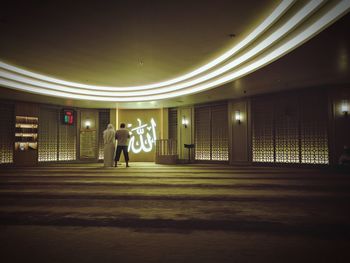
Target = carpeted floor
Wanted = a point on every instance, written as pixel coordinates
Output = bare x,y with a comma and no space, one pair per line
182,213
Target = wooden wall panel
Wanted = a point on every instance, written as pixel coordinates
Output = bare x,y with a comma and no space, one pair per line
172,123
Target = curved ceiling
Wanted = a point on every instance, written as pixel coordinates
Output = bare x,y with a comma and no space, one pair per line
267,31
122,43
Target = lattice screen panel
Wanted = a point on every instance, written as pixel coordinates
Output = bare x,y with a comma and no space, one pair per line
314,133
262,133
67,142
211,134
287,130
292,130
6,133
103,121
48,135
172,123
202,134
219,135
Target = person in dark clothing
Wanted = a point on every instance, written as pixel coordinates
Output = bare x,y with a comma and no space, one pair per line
122,135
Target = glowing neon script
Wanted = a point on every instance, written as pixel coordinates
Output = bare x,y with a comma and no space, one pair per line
146,140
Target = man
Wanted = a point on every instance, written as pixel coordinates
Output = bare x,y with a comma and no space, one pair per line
122,135
109,146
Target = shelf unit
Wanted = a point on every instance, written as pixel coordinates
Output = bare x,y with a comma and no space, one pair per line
26,133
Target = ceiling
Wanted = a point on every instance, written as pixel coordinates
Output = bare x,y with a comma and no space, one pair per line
125,43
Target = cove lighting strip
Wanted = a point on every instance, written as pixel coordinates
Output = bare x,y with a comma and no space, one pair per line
255,58
278,34
266,24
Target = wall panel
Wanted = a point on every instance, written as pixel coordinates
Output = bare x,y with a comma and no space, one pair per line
211,133
314,130
286,130
290,128
263,132
103,121
67,142
240,139
202,134
219,133
172,123
145,128
6,133
48,135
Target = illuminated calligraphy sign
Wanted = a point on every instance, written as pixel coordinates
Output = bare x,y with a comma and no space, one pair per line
142,137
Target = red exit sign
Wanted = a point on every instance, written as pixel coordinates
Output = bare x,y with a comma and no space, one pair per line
68,117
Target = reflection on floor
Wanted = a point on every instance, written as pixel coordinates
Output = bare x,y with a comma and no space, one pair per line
182,213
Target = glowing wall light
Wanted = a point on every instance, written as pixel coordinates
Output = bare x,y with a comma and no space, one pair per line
238,116
345,107
184,121
143,137
87,124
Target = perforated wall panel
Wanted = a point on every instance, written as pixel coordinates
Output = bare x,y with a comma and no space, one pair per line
6,133
290,129
314,132
211,133
219,133
202,134
287,130
262,133
48,135
67,142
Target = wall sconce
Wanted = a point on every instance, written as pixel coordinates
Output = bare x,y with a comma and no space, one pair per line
184,121
238,116
87,124
345,107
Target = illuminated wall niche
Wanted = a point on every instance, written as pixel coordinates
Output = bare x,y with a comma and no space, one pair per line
144,127
143,137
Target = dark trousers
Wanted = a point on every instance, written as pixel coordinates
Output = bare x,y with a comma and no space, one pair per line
119,151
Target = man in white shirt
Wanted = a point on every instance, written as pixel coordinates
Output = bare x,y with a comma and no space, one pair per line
122,135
